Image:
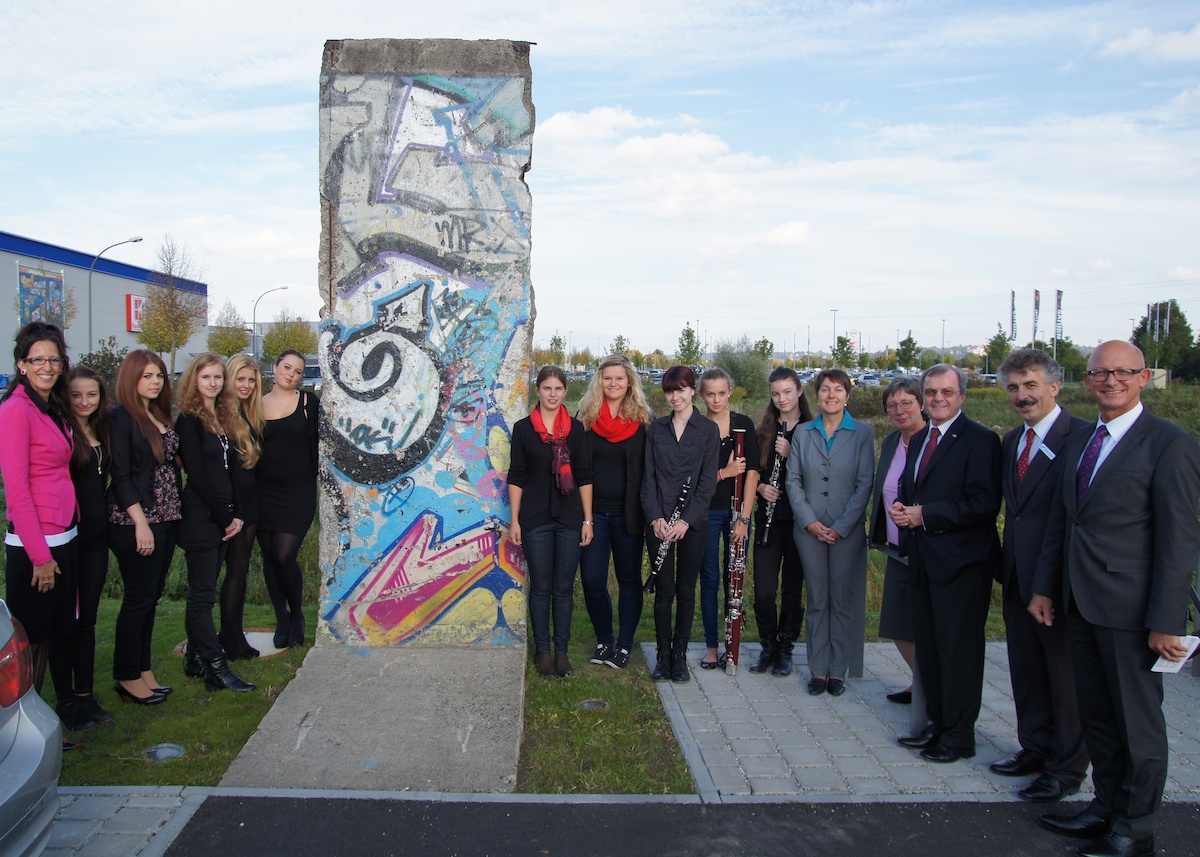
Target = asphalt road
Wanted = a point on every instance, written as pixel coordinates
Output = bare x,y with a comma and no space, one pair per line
298,827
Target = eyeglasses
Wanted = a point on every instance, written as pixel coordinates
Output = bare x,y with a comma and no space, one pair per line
901,405
55,362
1101,375
946,392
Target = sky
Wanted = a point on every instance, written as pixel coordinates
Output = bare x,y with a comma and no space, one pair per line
769,169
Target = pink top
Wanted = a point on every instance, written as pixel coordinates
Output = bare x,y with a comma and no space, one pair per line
35,458
891,488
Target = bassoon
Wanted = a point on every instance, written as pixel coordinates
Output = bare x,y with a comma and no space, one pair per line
734,617
665,546
769,516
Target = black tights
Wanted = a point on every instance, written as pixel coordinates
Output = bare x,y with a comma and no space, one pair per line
233,593
285,585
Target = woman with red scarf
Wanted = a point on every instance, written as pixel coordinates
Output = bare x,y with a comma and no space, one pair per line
550,491
615,414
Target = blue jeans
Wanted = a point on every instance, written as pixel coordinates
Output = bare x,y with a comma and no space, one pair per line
715,559
552,553
611,538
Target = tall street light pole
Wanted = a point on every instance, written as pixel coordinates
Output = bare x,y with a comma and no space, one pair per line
135,239
254,320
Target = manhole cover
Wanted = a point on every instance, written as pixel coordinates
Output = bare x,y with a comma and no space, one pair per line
594,703
163,752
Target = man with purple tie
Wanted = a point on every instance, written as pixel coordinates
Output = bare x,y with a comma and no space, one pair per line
1116,566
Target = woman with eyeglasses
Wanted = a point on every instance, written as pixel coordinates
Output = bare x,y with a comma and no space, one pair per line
902,402
40,545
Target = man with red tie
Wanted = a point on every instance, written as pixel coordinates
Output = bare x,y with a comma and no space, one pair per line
1039,656
946,513
1116,566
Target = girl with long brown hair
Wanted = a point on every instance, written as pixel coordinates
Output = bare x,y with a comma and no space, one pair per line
143,515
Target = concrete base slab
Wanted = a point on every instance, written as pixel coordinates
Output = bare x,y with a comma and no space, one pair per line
438,719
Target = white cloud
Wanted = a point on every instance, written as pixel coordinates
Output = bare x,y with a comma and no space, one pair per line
1175,46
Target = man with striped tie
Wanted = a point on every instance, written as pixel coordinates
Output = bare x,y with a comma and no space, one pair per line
1039,656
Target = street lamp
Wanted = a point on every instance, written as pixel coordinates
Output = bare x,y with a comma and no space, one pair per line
135,239
254,320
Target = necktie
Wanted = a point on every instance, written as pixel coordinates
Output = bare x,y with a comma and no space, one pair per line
1023,461
1087,464
934,433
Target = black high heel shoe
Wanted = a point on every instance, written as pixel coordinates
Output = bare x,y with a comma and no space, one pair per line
126,696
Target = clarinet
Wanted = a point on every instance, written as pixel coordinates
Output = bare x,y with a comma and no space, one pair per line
665,546
734,617
781,431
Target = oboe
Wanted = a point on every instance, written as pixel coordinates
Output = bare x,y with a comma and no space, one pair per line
664,546
737,564
781,431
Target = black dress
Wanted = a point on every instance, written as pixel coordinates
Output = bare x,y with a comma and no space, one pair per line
286,475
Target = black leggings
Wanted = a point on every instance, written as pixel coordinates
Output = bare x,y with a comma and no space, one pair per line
233,591
93,574
285,585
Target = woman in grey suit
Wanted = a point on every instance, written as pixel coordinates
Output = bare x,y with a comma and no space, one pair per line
829,480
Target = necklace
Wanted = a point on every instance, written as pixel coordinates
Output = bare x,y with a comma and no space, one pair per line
98,454
224,449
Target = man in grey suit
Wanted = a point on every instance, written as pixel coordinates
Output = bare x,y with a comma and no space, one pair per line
1116,565
1039,656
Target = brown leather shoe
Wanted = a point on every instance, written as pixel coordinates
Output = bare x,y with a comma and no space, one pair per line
562,665
544,664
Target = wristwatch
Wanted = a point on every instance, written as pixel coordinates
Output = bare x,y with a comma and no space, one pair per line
745,521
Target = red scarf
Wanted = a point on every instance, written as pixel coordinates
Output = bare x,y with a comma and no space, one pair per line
564,477
613,429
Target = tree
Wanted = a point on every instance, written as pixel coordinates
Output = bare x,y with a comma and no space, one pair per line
620,345
106,360
656,359
557,351
766,348
581,357
1073,361
690,348
843,354
288,331
229,335
929,357
745,362
906,352
1164,335
173,311
637,358
997,349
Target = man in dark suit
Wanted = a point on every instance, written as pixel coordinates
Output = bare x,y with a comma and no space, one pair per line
1116,565
946,512
1039,656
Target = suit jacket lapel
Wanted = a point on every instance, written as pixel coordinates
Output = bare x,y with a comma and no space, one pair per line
1131,439
1040,463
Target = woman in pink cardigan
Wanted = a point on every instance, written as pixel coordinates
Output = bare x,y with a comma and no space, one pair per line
35,458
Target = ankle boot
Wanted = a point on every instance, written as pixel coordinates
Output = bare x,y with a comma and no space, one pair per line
192,664
544,664
662,666
679,667
218,676
766,659
72,715
783,661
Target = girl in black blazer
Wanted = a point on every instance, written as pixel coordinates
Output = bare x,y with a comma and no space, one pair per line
210,511
615,414
143,515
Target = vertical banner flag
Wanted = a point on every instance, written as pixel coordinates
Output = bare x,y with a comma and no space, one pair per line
1058,328
40,296
1012,335
1037,306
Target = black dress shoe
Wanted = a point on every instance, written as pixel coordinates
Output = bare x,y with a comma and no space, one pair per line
1085,825
766,660
816,686
783,664
901,697
126,696
1022,764
942,754
1116,845
922,741
712,665
836,686
1046,789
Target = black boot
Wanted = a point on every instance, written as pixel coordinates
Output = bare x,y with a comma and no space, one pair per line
218,676
679,667
766,659
72,715
662,666
192,664
783,661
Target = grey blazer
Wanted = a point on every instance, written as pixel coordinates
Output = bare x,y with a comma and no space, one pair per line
831,487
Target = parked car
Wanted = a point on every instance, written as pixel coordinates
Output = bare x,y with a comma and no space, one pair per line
30,749
869,380
312,377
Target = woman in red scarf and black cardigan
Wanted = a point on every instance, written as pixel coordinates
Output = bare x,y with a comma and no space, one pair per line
550,491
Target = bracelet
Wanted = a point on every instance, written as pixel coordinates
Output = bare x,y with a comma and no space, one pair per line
589,523
745,521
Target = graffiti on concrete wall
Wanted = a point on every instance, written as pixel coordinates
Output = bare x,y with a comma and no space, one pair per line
424,352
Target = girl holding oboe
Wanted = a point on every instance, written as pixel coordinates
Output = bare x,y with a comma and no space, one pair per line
776,560
681,476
